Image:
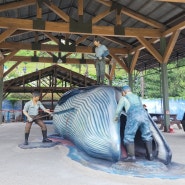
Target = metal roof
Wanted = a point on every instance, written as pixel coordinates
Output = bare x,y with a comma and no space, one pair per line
149,14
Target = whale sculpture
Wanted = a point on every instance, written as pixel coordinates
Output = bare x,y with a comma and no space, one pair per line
85,116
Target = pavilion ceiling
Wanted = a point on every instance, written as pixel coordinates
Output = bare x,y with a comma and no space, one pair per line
128,28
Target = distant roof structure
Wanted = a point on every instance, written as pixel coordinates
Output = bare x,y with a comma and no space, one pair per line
53,79
126,27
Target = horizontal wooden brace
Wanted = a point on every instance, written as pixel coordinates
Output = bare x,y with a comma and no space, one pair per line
55,48
61,27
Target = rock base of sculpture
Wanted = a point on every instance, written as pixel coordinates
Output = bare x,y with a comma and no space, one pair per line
37,145
141,168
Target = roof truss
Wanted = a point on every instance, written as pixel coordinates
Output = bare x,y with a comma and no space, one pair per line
147,36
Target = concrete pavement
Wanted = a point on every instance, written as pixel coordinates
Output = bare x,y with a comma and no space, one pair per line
46,166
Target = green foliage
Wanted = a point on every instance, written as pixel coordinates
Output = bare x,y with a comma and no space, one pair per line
176,80
151,78
152,84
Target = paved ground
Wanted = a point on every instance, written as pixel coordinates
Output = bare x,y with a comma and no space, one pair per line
52,166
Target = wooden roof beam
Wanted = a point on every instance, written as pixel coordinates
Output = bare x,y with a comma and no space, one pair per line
100,16
57,11
134,15
39,11
79,41
7,33
150,48
58,27
120,62
134,61
119,42
8,57
144,32
55,48
18,32
80,7
48,60
166,33
84,37
170,31
171,46
118,18
11,68
140,47
15,5
112,72
51,37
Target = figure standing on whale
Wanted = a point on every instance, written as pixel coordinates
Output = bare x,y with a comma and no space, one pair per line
137,118
101,52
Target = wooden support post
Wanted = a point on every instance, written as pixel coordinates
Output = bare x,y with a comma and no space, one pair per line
1,92
130,78
1,86
39,11
164,77
80,7
142,86
52,105
110,69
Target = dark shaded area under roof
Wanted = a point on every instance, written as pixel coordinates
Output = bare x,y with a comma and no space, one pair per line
166,14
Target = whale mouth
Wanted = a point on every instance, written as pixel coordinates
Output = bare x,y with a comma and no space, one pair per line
140,151
160,149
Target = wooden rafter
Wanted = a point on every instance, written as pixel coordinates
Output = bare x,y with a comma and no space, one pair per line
118,18
171,46
7,33
39,11
48,60
78,41
57,10
84,37
80,7
112,70
134,61
51,37
65,17
100,16
12,68
170,31
135,15
119,42
16,5
55,48
25,25
18,32
120,62
150,48
166,33
8,57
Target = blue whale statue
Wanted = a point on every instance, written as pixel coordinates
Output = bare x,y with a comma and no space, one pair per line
85,116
